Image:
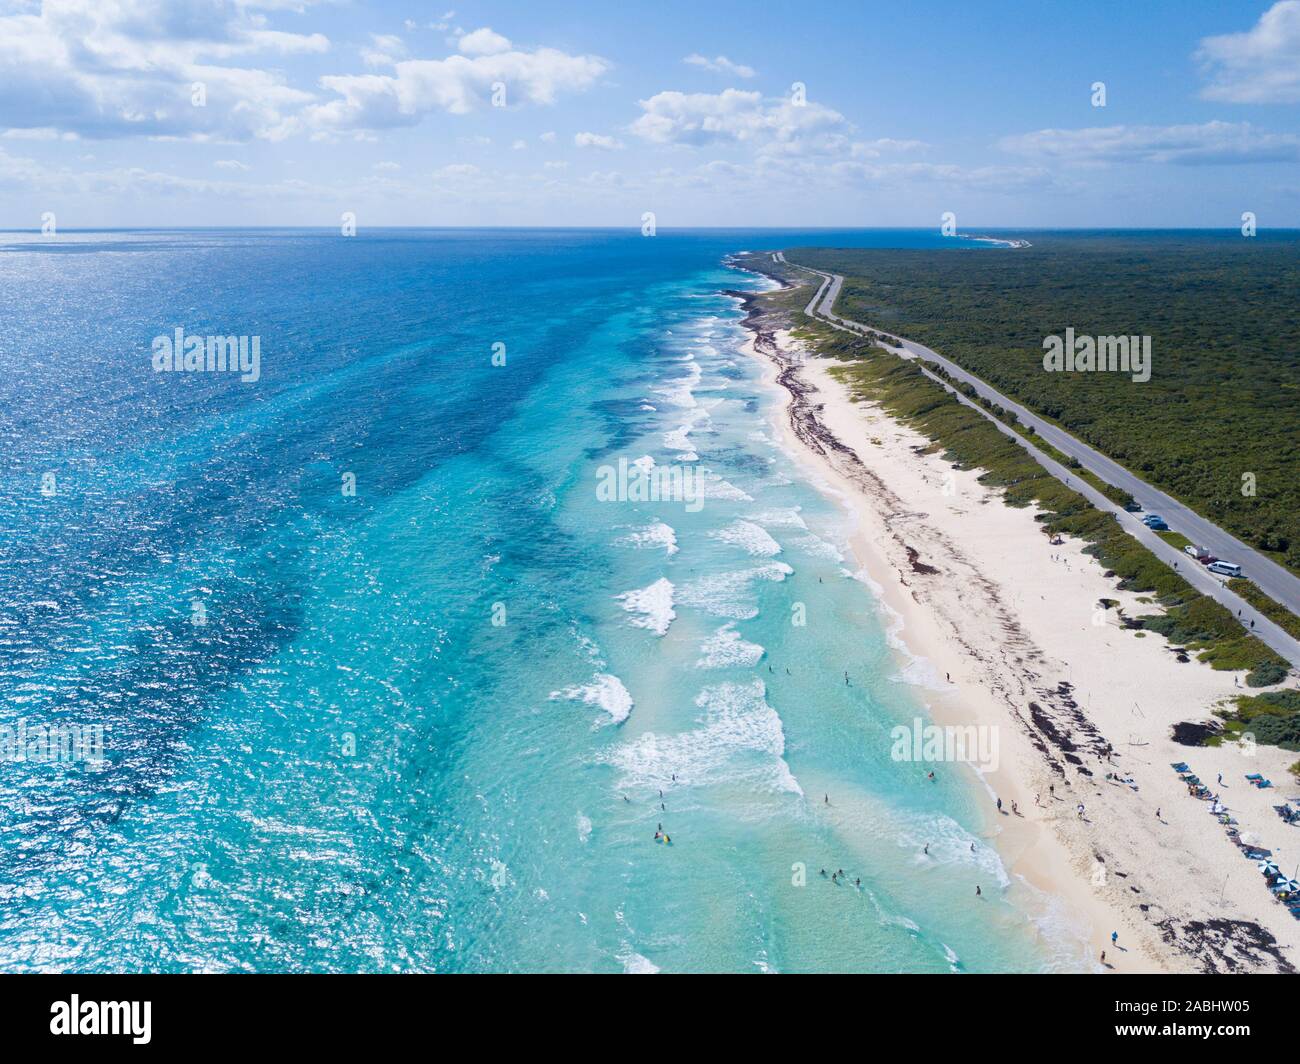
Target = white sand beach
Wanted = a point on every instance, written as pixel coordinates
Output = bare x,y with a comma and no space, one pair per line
1009,617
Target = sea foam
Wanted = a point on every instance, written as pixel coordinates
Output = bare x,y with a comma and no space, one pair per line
740,739
654,604
726,649
657,535
730,594
606,691
753,538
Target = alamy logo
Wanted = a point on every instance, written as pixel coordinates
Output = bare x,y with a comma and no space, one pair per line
972,745
208,354
1092,354
643,481
49,743
102,1017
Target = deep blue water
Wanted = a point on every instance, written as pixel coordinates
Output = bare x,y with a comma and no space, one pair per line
391,730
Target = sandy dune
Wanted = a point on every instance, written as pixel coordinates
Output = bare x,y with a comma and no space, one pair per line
987,600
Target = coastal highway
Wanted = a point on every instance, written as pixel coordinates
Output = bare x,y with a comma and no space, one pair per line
1271,578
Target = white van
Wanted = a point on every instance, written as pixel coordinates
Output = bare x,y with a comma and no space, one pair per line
1224,568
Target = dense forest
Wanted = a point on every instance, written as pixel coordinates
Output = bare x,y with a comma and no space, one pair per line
1223,314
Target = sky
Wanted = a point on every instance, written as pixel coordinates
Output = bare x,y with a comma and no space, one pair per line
1052,113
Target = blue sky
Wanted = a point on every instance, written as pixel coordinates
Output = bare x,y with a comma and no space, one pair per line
265,112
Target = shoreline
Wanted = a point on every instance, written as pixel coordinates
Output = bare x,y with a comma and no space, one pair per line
969,580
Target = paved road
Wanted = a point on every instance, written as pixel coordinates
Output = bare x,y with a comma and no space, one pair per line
1276,582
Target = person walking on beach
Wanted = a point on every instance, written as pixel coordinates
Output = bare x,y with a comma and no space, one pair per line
1157,812
1103,956
978,892
999,805
926,851
1114,938
827,799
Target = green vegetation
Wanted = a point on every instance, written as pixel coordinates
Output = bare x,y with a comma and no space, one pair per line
1274,611
1273,718
1224,395
969,440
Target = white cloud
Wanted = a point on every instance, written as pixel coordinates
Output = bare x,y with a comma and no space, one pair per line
386,165
1003,179
457,172
484,42
1260,65
38,133
520,145
231,164
720,65
775,126
125,183
548,137
458,84
127,68
1208,143
597,140
384,50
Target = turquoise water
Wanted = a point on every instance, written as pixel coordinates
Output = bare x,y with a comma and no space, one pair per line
426,726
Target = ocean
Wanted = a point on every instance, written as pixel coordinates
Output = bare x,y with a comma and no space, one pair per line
387,682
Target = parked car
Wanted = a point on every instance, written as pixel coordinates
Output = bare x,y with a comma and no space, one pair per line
1153,519
1201,554
1225,569
1156,524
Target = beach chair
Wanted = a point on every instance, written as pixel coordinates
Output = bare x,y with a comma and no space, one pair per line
1253,776
1181,766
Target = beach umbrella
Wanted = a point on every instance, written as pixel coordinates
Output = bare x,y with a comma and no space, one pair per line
1268,868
